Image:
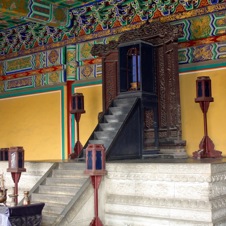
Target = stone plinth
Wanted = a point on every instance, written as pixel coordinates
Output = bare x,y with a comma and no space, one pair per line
153,192
166,193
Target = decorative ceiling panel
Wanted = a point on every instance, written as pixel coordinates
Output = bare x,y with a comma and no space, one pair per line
48,12
12,13
10,20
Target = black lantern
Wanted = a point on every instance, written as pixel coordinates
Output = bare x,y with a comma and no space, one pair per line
77,103
4,154
77,108
16,159
16,166
203,89
95,159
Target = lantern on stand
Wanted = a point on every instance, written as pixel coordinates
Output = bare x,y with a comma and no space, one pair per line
16,166
95,167
204,97
77,108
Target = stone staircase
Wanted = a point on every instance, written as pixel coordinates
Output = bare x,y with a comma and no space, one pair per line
113,120
119,130
64,183
58,189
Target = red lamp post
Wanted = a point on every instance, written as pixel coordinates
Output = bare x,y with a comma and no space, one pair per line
77,108
204,97
16,166
95,167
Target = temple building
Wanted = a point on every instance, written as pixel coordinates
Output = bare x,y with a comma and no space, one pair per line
142,82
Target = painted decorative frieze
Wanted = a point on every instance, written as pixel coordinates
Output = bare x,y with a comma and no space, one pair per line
213,51
203,37
19,64
40,60
32,79
89,67
96,20
201,27
32,71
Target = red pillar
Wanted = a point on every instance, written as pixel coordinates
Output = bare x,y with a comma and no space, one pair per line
69,93
96,180
16,178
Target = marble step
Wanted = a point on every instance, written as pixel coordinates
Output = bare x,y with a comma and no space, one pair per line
48,220
105,142
51,198
119,110
110,126
65,181
115,118
60,190
51,208
75,174
72,166
102,135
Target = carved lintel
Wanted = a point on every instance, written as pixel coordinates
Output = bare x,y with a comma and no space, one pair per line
156,33
102,49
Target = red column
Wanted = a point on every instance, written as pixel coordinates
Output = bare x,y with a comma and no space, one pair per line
16,178
96,180
69,93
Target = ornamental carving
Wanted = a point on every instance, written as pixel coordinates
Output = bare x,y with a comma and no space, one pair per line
156,33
